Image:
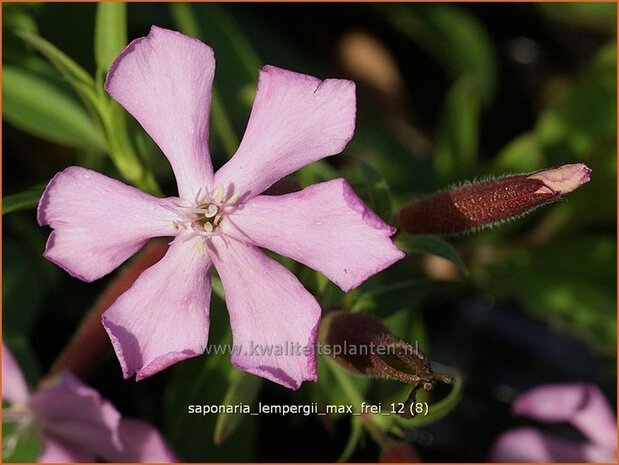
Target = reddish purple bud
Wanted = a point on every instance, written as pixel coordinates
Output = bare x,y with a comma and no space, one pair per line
475,206
363,344
399,452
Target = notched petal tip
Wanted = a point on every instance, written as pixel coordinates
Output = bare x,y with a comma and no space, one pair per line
155,33
44,200
368,216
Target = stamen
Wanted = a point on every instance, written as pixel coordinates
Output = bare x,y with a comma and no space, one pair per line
211,211
219,193
217,219
196,200
234,199
197,210
208,227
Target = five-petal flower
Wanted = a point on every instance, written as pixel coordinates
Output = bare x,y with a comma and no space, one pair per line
75,424
582,405
219,219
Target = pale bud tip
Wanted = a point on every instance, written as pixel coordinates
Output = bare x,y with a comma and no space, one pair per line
564,178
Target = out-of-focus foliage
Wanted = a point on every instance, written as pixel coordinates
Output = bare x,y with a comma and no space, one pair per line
449,117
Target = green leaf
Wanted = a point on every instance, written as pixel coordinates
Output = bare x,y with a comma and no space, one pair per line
205,380
569,282
243,389
110,33
27,448
521,155
222,32
46,108
122,150
70,70
432,245
456,148
377,189
26,200
591,15
453,37
386,300
585,115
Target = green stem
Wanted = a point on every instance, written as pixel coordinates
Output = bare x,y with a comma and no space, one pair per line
357,399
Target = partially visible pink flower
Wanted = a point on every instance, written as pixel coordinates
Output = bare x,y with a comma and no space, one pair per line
221,220
75,424
580,404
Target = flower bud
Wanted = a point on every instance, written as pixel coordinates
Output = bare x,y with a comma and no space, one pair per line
399,452
363,344
475,206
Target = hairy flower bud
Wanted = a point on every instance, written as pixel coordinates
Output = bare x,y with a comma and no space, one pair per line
363,344
475,206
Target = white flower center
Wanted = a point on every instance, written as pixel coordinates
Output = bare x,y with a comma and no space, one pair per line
206,213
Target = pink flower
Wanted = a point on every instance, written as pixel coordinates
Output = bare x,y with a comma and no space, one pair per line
75,424
582,405
164,80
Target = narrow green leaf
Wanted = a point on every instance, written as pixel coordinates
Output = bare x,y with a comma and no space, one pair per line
25,200
110,33
571,283
455,38
44,107
455,153
378,192
432,245
67,67
73,73
221,30
243,389
587,15
585,115
521,155
27,448
386,300
122,150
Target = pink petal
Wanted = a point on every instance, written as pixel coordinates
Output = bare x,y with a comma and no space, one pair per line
531,445
14,386
563,179
269,311
143,443
325,226
164,80
296,119
164,317
98,222
55,451
581,404
77,416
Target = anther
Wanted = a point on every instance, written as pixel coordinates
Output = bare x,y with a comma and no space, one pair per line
211,211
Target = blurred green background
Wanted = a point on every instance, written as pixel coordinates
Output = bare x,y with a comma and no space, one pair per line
446,93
